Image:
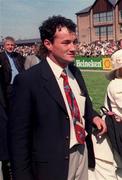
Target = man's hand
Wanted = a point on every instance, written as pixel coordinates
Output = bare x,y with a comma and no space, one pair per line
100,124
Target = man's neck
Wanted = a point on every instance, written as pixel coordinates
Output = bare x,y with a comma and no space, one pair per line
58,62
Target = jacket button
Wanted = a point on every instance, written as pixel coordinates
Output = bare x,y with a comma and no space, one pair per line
67,117
67,137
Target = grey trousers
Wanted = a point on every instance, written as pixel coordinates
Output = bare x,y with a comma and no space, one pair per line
1,174
78,163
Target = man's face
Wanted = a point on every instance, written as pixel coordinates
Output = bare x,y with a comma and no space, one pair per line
62,51
9,46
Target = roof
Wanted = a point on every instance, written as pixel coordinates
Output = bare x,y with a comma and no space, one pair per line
25,41
87,9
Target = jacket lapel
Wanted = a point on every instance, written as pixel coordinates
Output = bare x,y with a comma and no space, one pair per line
5,62
6,67
51,84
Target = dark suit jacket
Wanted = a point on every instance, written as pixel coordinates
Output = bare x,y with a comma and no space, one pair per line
3,125
3,128
5,69
39,125
5,78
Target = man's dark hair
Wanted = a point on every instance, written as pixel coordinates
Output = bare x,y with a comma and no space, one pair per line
49,27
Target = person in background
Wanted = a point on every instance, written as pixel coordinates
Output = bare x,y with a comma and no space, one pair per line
51,112
33,59
11,63
108,161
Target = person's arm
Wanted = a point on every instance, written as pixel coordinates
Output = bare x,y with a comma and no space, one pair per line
100,125
20,130
114,93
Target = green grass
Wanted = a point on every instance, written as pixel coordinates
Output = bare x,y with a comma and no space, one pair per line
96,83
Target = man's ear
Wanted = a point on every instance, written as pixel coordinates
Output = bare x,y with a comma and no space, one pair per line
48,44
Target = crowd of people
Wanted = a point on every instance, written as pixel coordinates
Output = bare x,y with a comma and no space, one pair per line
94,49
46,113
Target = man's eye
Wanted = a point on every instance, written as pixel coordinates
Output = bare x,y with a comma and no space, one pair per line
75,42
66,42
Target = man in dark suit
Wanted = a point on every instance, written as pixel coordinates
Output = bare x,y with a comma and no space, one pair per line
43,139
11,63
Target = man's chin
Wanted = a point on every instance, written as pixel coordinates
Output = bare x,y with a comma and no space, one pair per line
70,60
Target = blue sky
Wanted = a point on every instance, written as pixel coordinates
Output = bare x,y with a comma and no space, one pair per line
21,18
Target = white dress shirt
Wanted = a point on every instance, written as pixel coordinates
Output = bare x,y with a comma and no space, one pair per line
57,70
13,68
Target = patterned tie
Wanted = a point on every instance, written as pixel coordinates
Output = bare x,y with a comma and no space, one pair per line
77,121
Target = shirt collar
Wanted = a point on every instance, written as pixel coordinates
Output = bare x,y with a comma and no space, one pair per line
57,70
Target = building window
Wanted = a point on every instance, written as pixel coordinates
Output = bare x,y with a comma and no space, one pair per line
110,30
109,16
104,30
96,17
103,17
